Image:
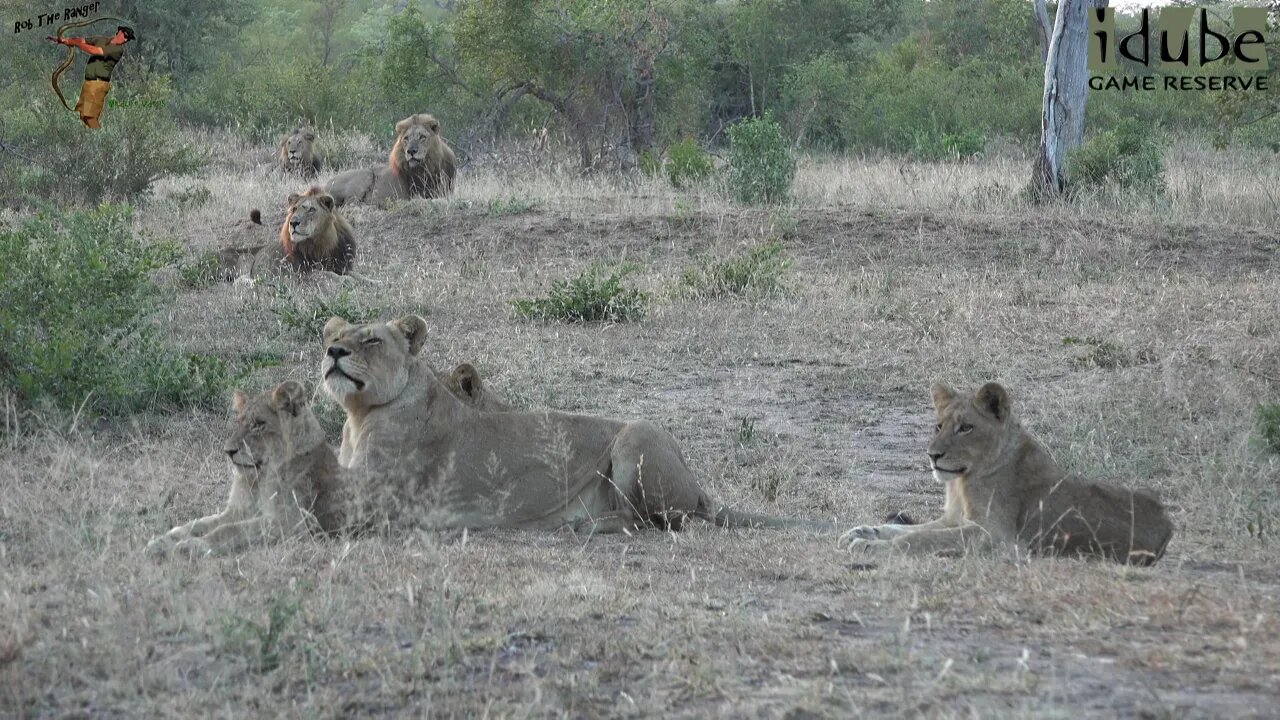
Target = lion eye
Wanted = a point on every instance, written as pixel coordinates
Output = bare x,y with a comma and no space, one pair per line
964,428
371,341
939,428
257,425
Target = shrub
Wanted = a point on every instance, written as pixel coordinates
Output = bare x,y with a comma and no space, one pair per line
649,162
138,143
761,166
934,145
687,164
592,296
761,271
75,330
1127,157
309,316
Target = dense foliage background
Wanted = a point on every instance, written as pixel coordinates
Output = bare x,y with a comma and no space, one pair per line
614,81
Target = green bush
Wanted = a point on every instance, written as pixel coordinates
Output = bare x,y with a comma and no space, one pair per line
687,164
592,296
308,316
934,145
761,165
649,163
1128,157
138,143
761,271
76,301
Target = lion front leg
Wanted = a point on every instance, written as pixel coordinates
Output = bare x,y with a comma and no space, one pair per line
228,538
163,545
921,540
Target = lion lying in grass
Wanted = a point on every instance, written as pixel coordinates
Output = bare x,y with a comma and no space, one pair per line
420,165
419,455
1003,489
285,480
313,236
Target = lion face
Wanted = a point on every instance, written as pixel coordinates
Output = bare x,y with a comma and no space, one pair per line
309,215
969,430
368,365
296,148
418,137
269,428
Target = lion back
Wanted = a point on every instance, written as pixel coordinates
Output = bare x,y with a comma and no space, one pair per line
343,254
1088,517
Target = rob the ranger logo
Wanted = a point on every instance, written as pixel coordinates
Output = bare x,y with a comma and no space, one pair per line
1238,55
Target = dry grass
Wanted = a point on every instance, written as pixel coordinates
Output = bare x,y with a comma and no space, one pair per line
808,402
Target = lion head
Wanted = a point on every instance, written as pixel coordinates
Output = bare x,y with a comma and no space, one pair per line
310,217
418,145
271,428
970,430
368,365
297,149
466,385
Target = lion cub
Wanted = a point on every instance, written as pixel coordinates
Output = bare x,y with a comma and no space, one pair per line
1004,489
285,480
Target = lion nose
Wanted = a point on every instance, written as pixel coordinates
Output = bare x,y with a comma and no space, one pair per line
337,351
933,457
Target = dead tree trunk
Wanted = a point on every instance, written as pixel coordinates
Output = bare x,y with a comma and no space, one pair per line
1066,90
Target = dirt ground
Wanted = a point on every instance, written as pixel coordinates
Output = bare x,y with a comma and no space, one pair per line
1135,347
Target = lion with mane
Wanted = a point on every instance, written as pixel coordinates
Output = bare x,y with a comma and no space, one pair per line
420,165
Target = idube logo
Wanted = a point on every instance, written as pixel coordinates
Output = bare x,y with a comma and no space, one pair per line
1227,58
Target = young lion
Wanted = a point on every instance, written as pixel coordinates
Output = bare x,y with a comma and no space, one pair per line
285,480
1004,489
418,453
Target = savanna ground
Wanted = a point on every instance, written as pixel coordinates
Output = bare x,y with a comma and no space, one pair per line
1137,337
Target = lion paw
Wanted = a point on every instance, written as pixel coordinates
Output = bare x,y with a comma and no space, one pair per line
193,547
864,546
862,532
161,546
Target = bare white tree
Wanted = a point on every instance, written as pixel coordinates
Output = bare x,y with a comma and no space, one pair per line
1066,90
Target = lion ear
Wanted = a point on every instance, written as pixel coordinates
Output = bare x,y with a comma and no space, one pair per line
993,398
289,397
942,395
403,125
433,124
467,379
294,198
335,326
326,200
414,330
310,136
238,402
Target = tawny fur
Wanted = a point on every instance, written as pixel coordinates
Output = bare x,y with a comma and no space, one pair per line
1004,490
421,164
285,481
419,455
298,154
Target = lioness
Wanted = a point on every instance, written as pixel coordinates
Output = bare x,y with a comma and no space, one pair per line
313,236
1004,489
298,154
420,165
411,445
285,480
